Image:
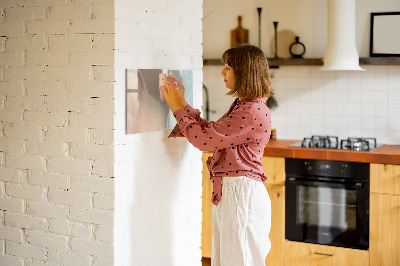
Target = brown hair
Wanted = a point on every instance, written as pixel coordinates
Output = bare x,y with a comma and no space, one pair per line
250,66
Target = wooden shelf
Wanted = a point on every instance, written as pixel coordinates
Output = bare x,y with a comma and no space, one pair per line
274,63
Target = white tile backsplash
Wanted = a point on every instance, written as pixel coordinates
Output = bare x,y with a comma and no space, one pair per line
345,103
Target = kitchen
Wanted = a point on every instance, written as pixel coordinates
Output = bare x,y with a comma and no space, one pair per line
315,103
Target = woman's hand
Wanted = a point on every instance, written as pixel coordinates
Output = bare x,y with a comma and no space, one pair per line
171,94
181,90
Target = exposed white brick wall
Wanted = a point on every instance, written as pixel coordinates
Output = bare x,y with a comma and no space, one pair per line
156,177
56,132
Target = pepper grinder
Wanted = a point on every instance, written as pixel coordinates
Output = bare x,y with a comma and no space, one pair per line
276,38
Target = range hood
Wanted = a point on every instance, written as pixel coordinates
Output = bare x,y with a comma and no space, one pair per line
341,51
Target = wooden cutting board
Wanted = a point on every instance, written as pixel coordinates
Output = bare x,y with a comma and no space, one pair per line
239,35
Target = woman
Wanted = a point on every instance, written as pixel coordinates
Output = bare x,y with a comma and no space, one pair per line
242,208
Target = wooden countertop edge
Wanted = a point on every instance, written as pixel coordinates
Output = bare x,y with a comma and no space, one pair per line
386,154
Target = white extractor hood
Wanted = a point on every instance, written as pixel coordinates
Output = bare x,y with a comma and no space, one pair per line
341,51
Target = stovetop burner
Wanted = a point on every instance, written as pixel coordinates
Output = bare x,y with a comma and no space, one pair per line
332,142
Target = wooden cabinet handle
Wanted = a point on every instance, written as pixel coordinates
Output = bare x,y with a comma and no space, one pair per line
324,254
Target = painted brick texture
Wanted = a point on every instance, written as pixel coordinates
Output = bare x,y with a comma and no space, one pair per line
56,132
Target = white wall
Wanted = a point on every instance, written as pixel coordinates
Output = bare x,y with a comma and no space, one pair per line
158,180
344,103
56,132
305,18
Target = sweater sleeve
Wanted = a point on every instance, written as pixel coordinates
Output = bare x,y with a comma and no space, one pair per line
193,113
231,130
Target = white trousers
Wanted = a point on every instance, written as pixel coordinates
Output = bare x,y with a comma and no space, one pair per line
241,223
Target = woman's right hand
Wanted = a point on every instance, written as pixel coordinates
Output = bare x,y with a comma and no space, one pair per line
181,91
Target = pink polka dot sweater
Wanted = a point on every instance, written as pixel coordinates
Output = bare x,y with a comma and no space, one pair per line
238,139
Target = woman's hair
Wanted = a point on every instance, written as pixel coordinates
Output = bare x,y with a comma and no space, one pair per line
250,66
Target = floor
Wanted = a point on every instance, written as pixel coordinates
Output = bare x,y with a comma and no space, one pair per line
206,261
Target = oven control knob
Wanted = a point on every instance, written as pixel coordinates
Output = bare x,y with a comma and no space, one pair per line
343,168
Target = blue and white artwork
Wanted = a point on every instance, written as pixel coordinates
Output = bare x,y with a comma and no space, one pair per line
146,109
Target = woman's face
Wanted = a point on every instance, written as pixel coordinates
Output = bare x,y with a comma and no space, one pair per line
229,76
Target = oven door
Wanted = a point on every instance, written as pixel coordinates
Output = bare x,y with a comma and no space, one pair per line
327,213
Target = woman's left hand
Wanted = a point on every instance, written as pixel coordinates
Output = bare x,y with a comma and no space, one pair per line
171,95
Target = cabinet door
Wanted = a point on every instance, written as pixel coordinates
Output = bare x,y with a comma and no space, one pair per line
385,178
206,226
384,230
304,254
274,168
277,233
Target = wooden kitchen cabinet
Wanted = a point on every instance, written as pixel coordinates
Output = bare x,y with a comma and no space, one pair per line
274,168
384,236
206,225
305,254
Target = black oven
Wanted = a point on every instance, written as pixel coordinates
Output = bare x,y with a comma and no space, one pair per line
327,202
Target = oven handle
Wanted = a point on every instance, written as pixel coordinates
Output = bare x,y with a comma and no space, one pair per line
357,185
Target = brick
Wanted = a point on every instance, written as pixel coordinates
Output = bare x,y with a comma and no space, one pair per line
94,216
46,209
71,42
67,73
48,179
24,13
91,26
12,29
103,202
93,184
46,240
104,73
24,132
56,149
82,230
11,88
47,58
92,151
104,41
48,27
24,73
91,89
107,259
45,2
91,247
25,250
102,136
70,166
12,204
11,59
11,260
12,146
3,44
12,117
91,58
98,120
46,88
74,135
25,221
46,118
68,258
69,12
104,169
32,262
56,103
104,11
22,43
11,233
25,191
60,227
193,49
97,105
25,103
69,197
105,233
26,161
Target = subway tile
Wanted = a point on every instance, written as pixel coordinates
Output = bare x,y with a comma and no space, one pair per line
394,110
